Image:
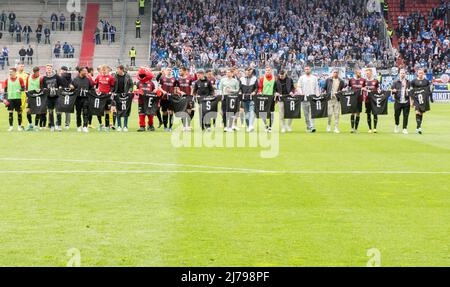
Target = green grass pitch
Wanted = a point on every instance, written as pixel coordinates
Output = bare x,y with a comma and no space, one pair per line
232,216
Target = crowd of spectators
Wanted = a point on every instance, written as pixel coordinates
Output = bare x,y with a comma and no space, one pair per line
424,39
285,33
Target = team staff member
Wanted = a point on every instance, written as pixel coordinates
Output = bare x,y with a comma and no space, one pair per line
167,83
284,87
421,83
356,85
213,81
123,84
52,82
14,86
67,80
228,86
203,88
249,88
33,83
308,85
400,90
372,85
82,84
333,86
104,83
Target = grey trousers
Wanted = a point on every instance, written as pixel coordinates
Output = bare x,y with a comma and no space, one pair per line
306,106
68,115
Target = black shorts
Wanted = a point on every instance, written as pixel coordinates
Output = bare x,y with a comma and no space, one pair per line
166,105
51,103
359,107
108,105
368,108
15,105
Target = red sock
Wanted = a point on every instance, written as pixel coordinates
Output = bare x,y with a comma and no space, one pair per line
150,120
141,121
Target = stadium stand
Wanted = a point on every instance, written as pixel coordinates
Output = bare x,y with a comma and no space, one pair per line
421,33
34,12
287,33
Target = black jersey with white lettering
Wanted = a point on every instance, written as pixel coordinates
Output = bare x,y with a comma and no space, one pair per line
37,102
97,103
379,102
232,103
150,104
349,102
292,107
123,104
319,106
263,105
66,101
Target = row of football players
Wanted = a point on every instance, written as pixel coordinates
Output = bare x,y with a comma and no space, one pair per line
202,85
249,86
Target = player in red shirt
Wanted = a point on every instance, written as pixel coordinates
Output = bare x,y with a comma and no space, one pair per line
372,85
185,82
356,84
167,83
104,84
144,86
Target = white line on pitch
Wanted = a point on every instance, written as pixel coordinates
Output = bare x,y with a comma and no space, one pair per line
216,172
132,163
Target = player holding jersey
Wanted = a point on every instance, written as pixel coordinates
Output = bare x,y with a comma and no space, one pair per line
33,83
372,86
422,95
356,85
185,82
167,85
105,83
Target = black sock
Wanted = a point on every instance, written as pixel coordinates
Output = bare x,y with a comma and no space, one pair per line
352,119
170,121
107,120
419,121
158,114
357,122
19,119
11,119
369,121
36,120
375,121
191,114
165,118
99,118
30,120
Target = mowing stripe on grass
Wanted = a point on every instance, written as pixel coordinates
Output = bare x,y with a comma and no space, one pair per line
222,172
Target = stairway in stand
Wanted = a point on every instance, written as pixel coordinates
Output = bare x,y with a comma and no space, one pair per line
88,44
